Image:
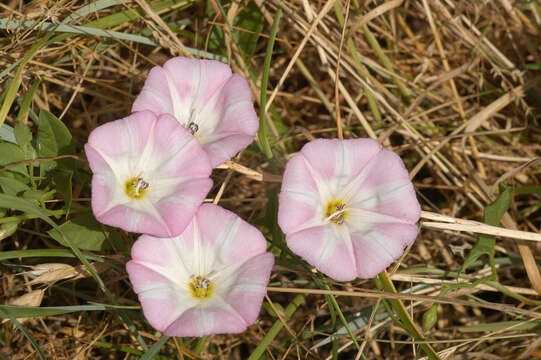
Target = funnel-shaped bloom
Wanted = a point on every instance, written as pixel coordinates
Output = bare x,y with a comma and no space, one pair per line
347,207
211,279
207,99
150,174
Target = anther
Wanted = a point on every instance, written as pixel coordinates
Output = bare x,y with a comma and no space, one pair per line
139,185
193,127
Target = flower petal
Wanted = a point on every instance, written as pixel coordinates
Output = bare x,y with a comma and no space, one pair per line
376,249
328,248
201,321
337,162
228,123
384,187
159,297
155,95
299,197
250,286
233,239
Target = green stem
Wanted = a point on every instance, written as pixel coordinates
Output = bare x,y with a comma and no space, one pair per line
276,327
383,282
262,134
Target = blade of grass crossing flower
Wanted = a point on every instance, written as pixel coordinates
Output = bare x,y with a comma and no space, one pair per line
154,349
14,85
262,134
25,333
384,282
10,201
276,327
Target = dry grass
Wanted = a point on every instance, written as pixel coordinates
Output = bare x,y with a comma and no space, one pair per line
452,86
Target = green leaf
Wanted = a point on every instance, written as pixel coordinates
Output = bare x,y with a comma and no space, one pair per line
7,133
250,19
62,179
155,349
502,325
54,139
430,317
485,243
12,186
8,229
31,312
22,134
84,231
6,314
10,154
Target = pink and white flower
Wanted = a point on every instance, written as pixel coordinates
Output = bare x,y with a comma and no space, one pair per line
207,99
150,174
347,207
211,279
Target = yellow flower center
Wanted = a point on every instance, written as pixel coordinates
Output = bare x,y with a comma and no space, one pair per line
201,287
136,187
335,211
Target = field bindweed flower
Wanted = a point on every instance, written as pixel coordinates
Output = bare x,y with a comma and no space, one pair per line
149,174
207,99
347,207
211,279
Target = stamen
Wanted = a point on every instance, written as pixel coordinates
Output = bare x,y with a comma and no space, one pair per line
201,287
335,211
136,187
140,184
193,127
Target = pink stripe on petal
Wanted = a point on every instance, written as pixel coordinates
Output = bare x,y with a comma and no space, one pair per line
133,220
143,278
294,213
234,239
219,151
255,272
152,250
97,163
198,78
299,196
178,214
325,250
321,154
101,193
236,104
184,155
378,249
155,95
124,137
206,321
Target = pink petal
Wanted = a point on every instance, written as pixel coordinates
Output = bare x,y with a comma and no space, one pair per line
299,196
339,160
235,239
379,248
157,297
178,211
124,137
387,189
325,249
133,220
206,321
246,295
184,155
155,95
198,78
